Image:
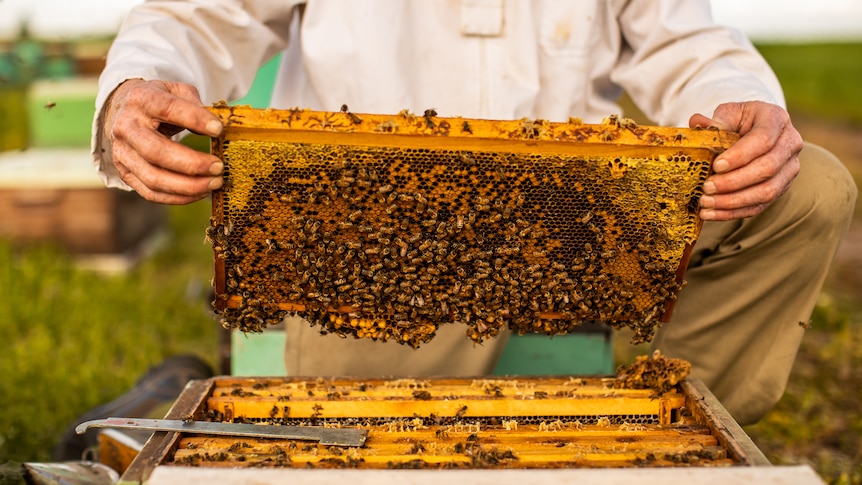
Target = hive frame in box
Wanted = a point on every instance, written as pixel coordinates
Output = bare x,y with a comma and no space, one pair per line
690,399
387,226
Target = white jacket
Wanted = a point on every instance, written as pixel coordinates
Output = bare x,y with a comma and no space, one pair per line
494,59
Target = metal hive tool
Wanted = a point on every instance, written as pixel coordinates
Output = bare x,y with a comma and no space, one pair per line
387,226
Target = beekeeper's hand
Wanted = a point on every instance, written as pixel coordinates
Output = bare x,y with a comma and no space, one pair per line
758,168
140,119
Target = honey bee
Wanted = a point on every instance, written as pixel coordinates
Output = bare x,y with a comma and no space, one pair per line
628,124
529,128
429,114
465,127
416,449
461,412
388,126
317,407
406,114
467,159
210,235
353,118
50,105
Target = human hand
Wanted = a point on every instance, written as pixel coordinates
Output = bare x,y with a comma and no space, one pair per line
755,170
140,119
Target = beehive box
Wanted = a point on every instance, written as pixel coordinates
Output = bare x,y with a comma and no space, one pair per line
461,423
387,226
60,111
54,195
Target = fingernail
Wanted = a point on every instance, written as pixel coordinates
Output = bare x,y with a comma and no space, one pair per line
216,168
707,201
215,183
213,127
720,165
709,187
707,215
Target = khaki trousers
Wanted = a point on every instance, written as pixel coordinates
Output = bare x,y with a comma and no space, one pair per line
751,283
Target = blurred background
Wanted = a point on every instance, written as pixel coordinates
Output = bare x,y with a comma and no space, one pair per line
97,286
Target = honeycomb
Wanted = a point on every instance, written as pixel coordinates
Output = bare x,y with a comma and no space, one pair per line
387,227
548,422
655,371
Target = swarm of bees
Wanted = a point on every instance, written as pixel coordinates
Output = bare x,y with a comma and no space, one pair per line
655,371
390,242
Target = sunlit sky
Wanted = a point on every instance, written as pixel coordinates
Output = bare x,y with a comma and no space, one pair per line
765,20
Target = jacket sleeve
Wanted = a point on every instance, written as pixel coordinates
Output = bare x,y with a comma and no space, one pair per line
675,61
215,45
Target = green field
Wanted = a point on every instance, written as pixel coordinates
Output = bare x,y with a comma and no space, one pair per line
820,79
78,339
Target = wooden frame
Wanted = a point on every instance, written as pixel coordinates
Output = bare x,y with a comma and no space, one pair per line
690,401
468,206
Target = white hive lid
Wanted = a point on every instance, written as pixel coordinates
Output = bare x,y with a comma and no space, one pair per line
56,168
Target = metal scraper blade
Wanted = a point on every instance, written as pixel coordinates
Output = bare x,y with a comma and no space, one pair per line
325,436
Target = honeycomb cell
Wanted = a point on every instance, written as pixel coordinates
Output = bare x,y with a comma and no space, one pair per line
535,226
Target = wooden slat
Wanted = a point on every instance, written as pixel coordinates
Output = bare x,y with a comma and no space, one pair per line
307,126
531,448
442,408
709,410
443,398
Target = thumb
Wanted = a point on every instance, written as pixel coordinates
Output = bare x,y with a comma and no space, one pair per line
698,120
727,116
185,110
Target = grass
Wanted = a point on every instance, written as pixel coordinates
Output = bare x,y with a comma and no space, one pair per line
819,420
820,79
77,339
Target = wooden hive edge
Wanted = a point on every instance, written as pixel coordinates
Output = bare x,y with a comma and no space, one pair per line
614,132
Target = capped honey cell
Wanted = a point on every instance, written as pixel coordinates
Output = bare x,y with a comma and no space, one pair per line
389,228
